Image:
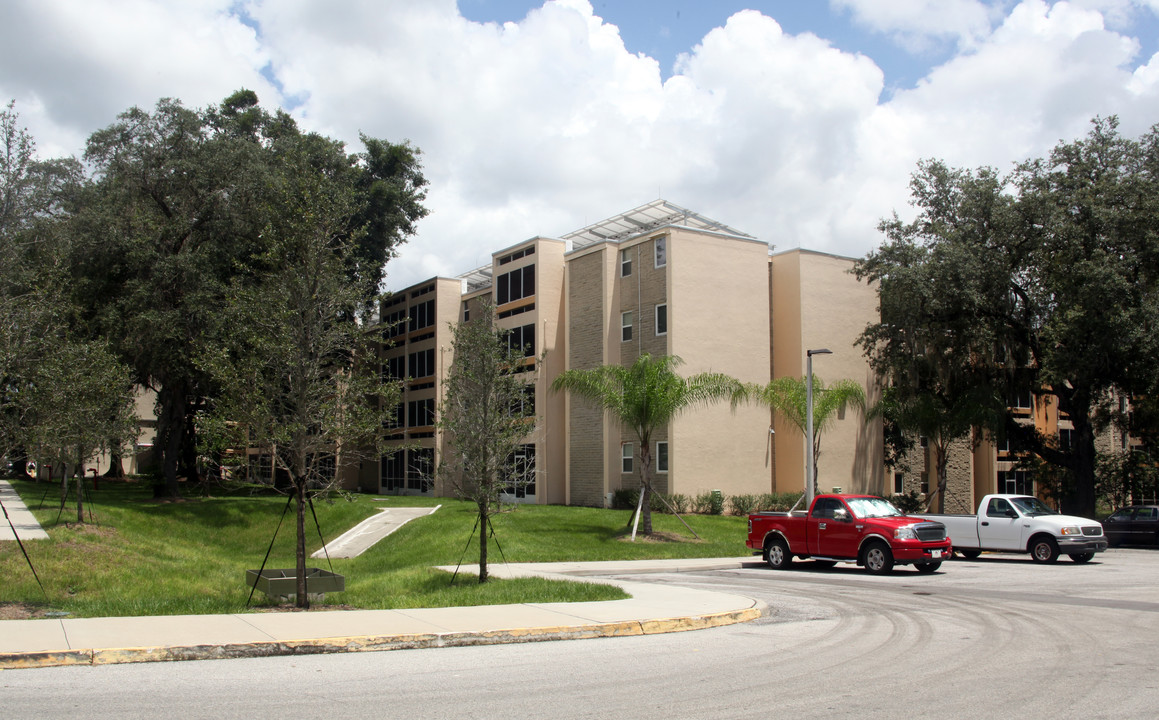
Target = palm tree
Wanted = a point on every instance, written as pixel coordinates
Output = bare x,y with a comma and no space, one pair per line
787,395
643,397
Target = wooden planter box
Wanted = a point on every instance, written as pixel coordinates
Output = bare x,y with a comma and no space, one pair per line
282,585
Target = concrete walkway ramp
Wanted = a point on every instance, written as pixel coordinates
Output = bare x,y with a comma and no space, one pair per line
365,534
19,516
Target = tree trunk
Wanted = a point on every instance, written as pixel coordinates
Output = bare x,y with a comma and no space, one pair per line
80,481
1082,498
170,431
303,600
484,523
646,486
941,460
63,485
116,466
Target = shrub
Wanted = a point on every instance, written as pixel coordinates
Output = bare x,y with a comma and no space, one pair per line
708,503
909,502
680,503
742,504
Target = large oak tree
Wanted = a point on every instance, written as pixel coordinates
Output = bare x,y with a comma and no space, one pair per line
1040,281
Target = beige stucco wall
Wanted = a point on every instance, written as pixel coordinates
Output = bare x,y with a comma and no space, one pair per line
818,304
718,319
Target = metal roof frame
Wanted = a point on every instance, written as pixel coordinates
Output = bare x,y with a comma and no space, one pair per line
645,219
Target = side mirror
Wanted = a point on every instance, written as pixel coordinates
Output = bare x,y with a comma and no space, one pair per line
1011,513
840,514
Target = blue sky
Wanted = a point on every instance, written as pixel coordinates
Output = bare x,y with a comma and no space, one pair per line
797,121
663,29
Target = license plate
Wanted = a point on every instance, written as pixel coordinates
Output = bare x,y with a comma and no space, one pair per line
935,554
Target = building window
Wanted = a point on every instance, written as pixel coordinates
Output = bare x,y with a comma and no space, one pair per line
420,413
422,363
898,483
394,368
515,285
394,471
522,339
626,457
1015,482
521,472
626,326
662,456
661,252
662,319
925,483
523,406
625,263
394,418
422,315
395,323
466,311
420,469
1023,400
1065,439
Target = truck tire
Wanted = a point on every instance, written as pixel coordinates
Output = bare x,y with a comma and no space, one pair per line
878,558
777,553
1082,557
971,554
925,568
1043,549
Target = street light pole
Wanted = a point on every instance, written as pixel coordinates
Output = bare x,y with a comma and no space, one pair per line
809,423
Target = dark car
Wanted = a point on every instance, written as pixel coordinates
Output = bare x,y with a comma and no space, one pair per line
1133,525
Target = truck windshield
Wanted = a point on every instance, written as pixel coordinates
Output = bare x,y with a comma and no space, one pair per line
1032,506
872,507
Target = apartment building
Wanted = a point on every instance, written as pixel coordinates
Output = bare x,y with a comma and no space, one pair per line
658,279
981,465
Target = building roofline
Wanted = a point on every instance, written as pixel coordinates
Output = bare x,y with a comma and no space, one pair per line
812,252
647,219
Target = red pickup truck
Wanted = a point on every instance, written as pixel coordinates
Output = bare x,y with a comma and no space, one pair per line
863,529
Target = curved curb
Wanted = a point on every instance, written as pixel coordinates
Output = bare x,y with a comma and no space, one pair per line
13,661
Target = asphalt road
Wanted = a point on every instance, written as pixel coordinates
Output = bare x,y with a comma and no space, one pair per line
988,638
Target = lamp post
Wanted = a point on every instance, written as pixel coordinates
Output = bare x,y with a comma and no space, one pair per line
809,423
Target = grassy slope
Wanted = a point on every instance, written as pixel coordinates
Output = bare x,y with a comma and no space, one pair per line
141,557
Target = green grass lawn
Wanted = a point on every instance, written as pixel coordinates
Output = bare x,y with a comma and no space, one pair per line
142,557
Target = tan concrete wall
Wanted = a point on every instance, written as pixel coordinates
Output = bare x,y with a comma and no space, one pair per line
818,304
718,320
551,434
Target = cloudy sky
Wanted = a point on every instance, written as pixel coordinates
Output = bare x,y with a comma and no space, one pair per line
798,121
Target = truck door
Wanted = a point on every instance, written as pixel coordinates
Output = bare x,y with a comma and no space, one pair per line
997,530
832,536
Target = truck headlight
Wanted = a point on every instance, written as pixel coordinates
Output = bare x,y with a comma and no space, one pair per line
905,533
1072,530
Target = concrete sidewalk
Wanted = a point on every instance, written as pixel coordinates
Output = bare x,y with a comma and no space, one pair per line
651,609
18,516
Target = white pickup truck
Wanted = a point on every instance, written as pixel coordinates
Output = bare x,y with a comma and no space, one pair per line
1023,524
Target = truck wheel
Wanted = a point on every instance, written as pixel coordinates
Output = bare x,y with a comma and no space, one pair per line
925,568
1082,557
777,554
971,554
1043,549
878,558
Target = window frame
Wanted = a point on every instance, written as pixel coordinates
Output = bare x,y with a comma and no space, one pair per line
660,252
626,262
662,466
626,326
627,458
661,309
